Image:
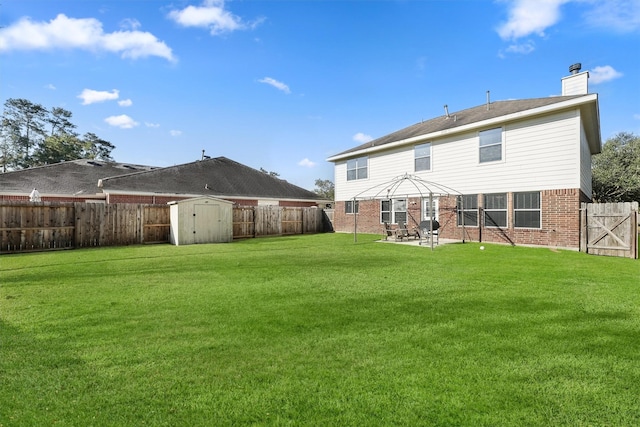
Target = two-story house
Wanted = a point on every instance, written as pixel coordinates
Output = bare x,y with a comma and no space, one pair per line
519,170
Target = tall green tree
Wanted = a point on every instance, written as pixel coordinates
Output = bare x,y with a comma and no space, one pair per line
97,148
31,135
325,189
23,126
58,148
616,170
60,121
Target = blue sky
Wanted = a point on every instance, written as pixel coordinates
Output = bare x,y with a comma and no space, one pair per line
284,84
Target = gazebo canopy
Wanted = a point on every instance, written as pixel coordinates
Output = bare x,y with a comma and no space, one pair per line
406,185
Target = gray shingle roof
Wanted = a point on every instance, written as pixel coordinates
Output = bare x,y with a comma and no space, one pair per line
65,178
220,177
462,118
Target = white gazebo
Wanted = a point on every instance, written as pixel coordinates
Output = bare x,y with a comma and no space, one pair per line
406,186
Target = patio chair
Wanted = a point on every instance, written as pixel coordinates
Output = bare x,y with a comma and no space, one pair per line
430,231
387,232
402,232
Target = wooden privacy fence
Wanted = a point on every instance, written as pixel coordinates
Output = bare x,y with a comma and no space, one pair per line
42,226
48,225
609,229
276,221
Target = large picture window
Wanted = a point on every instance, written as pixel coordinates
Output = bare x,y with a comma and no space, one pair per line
351,207
468,209
490,145
357,168
393,211
526,210
495,210
422,155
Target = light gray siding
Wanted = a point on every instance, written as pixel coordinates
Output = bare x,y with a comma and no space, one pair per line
541,153
586,178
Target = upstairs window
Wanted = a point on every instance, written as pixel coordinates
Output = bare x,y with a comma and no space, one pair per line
422,154
495,210
468,209
526,210
490,145
357,168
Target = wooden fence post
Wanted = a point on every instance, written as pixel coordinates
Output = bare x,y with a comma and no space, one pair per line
583,228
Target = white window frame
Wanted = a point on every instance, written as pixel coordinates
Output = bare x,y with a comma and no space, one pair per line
419,155
357,168
398,208
486,142
517,210
426,212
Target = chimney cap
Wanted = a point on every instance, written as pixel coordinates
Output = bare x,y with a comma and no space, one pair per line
575,68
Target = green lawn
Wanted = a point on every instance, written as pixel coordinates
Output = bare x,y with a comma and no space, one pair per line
319,331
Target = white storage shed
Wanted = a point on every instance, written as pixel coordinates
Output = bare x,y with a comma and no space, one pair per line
201,220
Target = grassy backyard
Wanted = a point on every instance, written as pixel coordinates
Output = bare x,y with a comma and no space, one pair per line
319,331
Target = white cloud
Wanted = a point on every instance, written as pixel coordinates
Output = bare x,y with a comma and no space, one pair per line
521,48
152,125
50,87
306,163
63,32
603,74
278,85
528,17
125,103
123,121
533,17
130,24
361,137
211,15
90,96
175,133
615,15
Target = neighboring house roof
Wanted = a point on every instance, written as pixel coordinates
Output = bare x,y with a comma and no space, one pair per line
485,115
70,178
217,177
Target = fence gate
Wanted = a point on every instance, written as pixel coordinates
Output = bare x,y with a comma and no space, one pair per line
610,229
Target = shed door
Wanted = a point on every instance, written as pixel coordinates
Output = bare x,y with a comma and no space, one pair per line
206,223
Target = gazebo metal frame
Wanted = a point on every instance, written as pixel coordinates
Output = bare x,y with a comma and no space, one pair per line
408,186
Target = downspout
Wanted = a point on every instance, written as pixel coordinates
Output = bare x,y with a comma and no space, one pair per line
355,222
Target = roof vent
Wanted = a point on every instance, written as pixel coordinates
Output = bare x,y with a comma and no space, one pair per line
575,68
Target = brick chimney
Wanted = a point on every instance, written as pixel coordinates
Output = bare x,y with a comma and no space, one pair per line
577,82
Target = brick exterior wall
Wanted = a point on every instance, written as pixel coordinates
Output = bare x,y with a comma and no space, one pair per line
560,225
